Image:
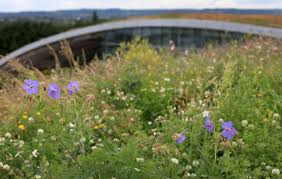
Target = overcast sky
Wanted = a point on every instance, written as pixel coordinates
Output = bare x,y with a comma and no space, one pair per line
28,5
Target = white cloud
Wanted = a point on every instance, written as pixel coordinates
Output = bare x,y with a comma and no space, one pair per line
20,5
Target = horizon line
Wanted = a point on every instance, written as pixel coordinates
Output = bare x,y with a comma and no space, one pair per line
137,9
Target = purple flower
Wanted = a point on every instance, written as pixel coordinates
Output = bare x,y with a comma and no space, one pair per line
181,138
208,124
54,91
31,86
228,130
73,87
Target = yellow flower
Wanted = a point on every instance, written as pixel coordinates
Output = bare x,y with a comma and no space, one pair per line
38,113
102,126
21,126
96,127
25,116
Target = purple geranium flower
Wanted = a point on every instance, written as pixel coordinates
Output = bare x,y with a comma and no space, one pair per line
73,87
54,91
208,124
228,130
31,86
181,138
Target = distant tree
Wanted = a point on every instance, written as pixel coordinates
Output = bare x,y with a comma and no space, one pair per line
16,34
95,17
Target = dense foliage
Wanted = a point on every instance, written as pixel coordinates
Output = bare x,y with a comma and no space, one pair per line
14,35
130,112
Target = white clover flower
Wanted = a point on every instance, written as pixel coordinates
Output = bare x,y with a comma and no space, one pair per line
251,126
150,123
188,174
188,167
201,102
91,141
53,138
100,145
184,154
175,161
276,116
71,125
40,131
6,167
244,123
21,143
1,165
116,140
167,79
37,176
221,120
30,119
274,122
206,114
234,144
262,163
35,153
94,147
8,135
162,90
268,167
103,91
109,92
97,117
82,139
275,171
2,140
140,159
195,163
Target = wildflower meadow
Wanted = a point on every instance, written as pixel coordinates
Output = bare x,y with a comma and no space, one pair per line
147,113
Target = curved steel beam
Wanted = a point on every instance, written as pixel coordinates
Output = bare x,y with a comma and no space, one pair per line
178,23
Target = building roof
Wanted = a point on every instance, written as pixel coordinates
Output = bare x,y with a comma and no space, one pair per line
178,23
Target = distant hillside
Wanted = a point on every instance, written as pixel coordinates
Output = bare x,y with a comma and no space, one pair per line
258,19
121,13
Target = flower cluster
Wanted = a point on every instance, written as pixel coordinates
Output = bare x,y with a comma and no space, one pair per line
228,130
208,123
181,138
54,91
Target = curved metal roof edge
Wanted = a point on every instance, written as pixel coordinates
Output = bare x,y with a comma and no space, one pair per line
182,23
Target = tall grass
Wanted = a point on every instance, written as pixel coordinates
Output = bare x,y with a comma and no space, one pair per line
131,108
